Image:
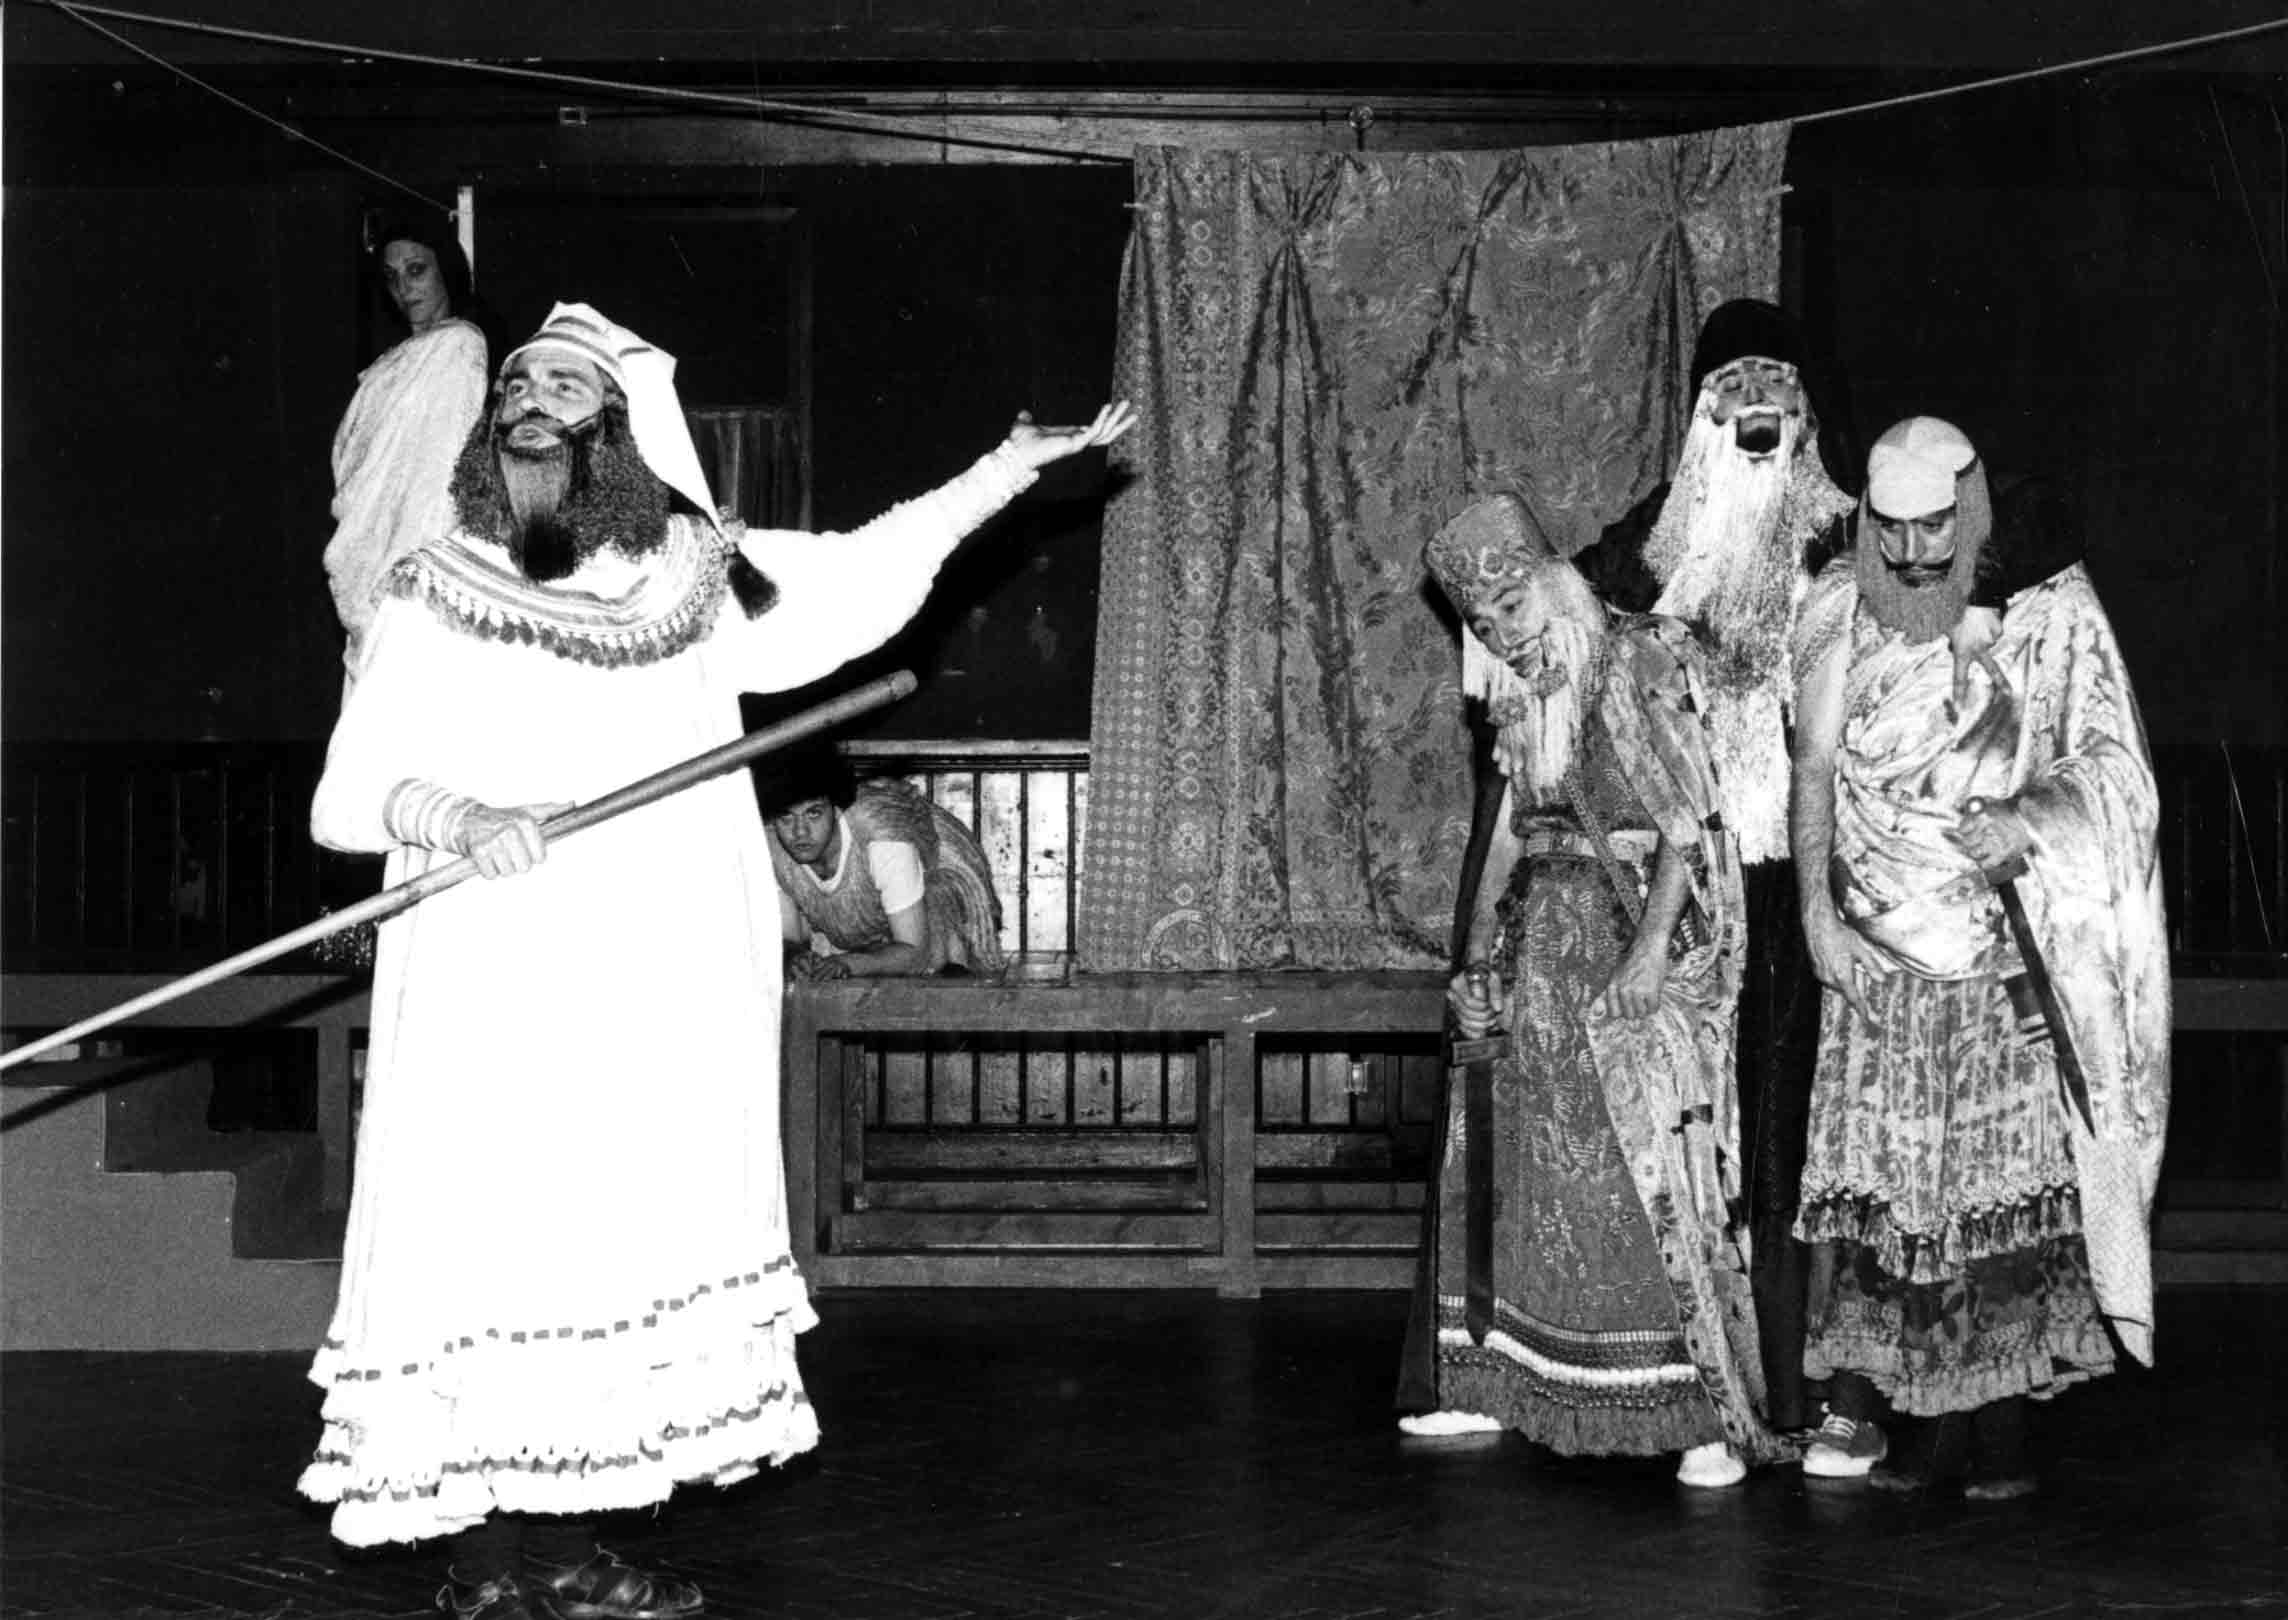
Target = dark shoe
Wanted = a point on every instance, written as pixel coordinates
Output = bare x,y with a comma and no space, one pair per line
1843,1448
503,1597
2000,1468
603,1588
1935,1451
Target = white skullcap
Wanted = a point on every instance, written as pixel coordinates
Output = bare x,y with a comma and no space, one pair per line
646,376
1912,470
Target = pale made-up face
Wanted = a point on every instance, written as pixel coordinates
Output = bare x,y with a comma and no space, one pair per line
544,393
806,831
1514,624
1920,549
416,284
1752,396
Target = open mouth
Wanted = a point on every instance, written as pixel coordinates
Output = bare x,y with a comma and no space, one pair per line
1757,433
533,435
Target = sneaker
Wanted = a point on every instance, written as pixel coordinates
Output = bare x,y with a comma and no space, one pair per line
1711,1467
1844,1448
1445,1425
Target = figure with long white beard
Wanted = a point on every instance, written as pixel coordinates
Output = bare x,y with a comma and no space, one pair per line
1730,546
1604,1309
567,1286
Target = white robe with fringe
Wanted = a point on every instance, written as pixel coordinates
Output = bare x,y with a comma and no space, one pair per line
566,1286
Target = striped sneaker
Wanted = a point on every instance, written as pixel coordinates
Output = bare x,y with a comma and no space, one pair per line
1844,1448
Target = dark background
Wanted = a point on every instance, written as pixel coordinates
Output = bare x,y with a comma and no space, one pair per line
2085,273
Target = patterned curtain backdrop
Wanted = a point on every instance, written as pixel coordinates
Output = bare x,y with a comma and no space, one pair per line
1331,354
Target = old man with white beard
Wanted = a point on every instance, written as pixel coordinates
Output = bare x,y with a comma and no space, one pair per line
1585,1271
1730,546
567,1285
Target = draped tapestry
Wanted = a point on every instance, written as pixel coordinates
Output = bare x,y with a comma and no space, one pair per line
1331,354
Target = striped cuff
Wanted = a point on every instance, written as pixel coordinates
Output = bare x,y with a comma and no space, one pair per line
424,814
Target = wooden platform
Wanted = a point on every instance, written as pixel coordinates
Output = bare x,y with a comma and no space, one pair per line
1176,1203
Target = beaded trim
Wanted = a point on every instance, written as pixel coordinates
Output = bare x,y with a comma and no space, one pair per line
474,587
549,1333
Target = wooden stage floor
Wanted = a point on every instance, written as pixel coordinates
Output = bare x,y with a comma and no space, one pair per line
1116,1456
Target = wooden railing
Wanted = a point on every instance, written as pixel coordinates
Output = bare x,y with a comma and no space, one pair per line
122,865
152,858
1026,802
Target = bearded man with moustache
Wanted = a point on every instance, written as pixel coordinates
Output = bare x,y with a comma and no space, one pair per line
1587,1279
567,1286
1981,896
1730,546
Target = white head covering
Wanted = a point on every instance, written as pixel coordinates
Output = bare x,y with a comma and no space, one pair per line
646,376
1912,469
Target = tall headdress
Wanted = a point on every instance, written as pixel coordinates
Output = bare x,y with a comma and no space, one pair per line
1739,329
1495,543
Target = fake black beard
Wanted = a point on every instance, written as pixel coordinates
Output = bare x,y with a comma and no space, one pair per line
604,495
607,496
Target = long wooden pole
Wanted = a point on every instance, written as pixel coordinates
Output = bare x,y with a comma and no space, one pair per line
404,896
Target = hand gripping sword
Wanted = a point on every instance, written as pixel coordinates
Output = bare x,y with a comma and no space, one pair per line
404,896
2003,879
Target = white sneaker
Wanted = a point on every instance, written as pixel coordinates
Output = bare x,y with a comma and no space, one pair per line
1711,1467
1844,1448
1443,1425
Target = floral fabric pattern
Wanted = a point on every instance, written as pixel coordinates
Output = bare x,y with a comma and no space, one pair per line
1331,353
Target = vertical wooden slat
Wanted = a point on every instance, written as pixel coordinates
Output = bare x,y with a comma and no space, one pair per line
1187,1077
856,1089
905,1085
1076,806
1143,1081
875,1077
1375,1107
1001,1083
1000,835
1422,1081
1327,1101
1232,1102
1048,853
1046,1072
952,1071
1279,1087
1094,1075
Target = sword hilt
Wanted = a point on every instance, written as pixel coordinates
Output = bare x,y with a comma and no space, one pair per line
2007,870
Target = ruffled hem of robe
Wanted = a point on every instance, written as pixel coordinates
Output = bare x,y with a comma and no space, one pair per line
588,1418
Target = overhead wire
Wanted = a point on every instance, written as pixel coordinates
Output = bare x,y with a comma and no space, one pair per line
893,125
337,154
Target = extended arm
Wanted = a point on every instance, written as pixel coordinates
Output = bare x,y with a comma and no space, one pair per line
841,595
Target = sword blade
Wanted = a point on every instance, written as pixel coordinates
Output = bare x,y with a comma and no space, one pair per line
2070,1076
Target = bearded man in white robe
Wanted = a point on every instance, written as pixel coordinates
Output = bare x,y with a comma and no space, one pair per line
567,1285
1981,899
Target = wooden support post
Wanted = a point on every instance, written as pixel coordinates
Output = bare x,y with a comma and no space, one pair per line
1233,1083
803,1143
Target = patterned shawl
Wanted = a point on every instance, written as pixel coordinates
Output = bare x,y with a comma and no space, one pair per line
1669,1078
2059,733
